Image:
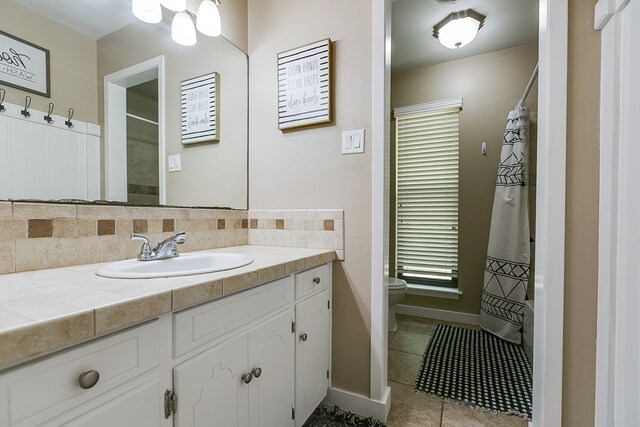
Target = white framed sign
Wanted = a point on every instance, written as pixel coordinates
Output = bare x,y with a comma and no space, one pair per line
305,86
199,109
24,65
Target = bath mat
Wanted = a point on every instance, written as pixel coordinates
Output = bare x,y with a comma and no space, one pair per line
332,416
477,369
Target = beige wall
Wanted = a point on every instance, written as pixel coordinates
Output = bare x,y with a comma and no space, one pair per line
490,86
581,251
234,14
72,62
212,174
304,169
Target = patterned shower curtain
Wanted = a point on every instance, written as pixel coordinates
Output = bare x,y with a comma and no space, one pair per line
506,271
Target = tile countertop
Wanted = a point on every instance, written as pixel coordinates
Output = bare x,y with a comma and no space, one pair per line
46,310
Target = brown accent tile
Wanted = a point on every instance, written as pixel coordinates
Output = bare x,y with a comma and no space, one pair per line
45,336
11,229
245,223
64,228
168,225
328,225
279,224
40,228
140,226
221,224
106,227
254,223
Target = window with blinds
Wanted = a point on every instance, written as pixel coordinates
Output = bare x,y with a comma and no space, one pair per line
427,139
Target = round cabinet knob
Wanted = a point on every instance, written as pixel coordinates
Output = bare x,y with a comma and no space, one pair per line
316,280
247,377
303,337
88,379
257,372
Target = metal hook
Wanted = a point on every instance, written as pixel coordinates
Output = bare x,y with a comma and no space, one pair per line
48,118
27,104
3,93
68,122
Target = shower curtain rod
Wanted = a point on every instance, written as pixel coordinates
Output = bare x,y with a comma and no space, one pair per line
533,78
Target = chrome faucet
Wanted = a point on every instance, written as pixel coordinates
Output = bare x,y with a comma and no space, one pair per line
168,248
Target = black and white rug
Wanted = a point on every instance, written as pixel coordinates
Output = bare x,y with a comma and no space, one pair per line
328,416
478,369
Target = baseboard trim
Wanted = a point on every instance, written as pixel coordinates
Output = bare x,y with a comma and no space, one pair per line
359,404
433,313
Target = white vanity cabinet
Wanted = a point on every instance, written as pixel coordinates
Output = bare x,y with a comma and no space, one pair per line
259,358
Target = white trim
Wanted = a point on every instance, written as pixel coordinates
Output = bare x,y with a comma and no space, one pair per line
427,107
444,315
115,85
359,404
550,214
433,291
380,125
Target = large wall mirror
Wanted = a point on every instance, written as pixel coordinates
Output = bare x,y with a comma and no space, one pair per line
122,78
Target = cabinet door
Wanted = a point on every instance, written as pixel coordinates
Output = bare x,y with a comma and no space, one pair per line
312,354
271,349
210,388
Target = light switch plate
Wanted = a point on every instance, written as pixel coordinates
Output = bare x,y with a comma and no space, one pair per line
174,163
353,141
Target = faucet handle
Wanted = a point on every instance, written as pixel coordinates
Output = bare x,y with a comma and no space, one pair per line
180,237
145,250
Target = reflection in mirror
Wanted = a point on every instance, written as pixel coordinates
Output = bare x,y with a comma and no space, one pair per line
91,43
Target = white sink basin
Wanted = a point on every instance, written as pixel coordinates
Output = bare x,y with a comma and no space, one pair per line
183,265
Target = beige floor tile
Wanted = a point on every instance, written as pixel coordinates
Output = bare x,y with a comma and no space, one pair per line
411,409
390,335
403,367
410,342
419,324
454,415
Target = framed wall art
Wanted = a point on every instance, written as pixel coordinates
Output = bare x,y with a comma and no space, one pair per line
199,100
23,65
305,91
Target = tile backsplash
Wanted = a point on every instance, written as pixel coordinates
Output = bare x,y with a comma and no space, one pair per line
35,236
317,228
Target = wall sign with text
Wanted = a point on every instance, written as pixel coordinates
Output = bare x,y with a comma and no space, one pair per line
199,97
24,65
305,86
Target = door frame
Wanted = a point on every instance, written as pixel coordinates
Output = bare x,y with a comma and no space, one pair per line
115,123
550,208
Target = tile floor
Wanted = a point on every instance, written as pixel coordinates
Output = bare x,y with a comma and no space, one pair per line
411,409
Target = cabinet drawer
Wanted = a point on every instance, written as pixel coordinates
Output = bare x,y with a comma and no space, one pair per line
313,280
37,392
197,326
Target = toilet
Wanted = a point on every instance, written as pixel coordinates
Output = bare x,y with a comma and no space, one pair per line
397,290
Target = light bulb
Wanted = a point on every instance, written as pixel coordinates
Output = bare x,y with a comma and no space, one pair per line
175,5
148,11
208,19
182,30
458,33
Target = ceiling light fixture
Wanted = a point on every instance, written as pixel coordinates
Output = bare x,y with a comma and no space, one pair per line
148,11
182,30
458,29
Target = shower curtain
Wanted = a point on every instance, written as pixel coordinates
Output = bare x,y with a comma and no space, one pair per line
506,270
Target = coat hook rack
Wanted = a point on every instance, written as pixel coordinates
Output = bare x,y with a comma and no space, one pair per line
27,104
48,117
68,122
3,93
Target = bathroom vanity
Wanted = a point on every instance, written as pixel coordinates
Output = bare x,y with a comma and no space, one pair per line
256,354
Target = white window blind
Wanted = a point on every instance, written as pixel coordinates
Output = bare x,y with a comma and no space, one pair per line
427,193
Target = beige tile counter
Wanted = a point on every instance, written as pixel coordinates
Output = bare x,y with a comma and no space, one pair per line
46,310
